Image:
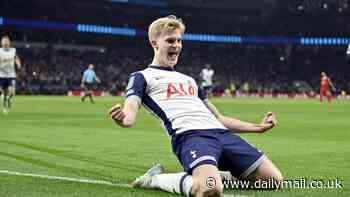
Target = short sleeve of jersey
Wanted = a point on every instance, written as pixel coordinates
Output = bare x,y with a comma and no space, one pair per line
201,94
136,87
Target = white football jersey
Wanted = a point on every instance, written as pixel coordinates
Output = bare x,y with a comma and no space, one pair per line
207,75
174,98
7,63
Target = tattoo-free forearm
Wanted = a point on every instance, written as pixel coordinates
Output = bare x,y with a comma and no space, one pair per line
239,126
130,110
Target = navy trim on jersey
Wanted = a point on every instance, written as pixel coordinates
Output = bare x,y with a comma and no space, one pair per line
136,86
201,94
154,107
162,68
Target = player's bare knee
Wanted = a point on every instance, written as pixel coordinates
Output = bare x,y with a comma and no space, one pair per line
278,177
215,192
208,192
202,189
275,174
267,170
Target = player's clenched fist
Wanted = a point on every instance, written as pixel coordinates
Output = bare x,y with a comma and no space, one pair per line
117,114
270,118
268,122
125,116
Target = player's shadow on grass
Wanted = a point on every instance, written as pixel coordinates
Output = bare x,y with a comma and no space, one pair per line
84,158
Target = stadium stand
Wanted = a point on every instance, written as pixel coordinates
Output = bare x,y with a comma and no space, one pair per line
267,68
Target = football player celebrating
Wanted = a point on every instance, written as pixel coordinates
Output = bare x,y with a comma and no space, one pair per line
204,140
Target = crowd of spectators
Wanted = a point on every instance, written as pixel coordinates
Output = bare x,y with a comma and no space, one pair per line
286,19
266,68
55,71
262,68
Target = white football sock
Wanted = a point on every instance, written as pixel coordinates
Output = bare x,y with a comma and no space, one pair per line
179,183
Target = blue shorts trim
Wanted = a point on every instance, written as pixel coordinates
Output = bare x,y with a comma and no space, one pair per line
207,159
254,166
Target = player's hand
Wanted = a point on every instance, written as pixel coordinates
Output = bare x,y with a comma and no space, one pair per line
333,88
82,85
270,118
117,114
268,122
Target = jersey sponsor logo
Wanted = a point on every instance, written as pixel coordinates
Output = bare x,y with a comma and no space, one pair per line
180,89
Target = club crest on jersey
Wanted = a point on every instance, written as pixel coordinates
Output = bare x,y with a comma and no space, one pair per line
193,153
179,89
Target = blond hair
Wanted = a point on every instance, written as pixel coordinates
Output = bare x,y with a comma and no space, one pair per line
164,24
5,37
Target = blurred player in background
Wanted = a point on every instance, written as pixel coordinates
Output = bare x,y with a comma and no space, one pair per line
206,75
325,91
204,140
8,59
87,82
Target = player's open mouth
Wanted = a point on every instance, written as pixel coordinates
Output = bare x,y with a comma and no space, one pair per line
173,54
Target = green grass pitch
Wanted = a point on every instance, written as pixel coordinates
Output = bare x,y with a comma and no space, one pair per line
60,136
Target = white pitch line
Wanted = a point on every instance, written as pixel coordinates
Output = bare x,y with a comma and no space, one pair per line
89,181
61,178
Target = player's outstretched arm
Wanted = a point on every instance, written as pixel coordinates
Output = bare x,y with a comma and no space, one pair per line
18,62
125,116
331,84
268,122
97,79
